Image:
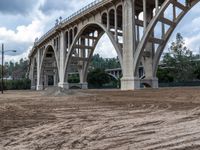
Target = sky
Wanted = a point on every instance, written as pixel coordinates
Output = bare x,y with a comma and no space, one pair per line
22,21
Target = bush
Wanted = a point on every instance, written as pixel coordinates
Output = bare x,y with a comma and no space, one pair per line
22,84
97,78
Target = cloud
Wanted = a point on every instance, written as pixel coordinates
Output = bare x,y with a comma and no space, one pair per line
23,33
69,7
21,38
49,6
190,30
16,58
105,48
19,32
17,6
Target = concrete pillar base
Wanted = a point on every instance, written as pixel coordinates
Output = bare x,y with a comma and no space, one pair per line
155,83
130,83
64,85
39,87
152,82
84,85
33,87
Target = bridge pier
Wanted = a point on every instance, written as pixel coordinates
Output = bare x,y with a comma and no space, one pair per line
129,81
39,87
150,82
84,85
149,51
64,85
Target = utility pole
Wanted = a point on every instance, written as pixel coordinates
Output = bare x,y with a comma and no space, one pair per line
2,73
2,55
199,53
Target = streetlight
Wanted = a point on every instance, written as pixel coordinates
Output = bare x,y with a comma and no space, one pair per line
2,56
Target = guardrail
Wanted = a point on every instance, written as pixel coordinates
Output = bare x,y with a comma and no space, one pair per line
84,9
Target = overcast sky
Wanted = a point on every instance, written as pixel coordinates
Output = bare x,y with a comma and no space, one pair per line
24,20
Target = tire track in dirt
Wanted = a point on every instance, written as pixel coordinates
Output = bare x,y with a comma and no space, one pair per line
104,120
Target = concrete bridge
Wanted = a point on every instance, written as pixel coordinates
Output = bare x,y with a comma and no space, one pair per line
138,30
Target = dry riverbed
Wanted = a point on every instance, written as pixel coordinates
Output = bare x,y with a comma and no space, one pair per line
101,120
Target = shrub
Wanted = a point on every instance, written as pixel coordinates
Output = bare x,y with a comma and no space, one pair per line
22,84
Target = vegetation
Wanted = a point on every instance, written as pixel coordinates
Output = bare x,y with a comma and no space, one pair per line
180,65
98,77
15,75
104,63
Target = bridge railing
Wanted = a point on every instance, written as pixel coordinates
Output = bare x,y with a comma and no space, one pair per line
84,9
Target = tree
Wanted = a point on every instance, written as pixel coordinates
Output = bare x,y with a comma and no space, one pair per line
5,71
16,70
164,75
98,77
179,59
104,63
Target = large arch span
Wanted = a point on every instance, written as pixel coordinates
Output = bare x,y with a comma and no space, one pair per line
133,37
82,50
184,7
48,68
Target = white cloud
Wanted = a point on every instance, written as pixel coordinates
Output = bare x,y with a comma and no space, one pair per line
37,23
23,34
16,58
105,48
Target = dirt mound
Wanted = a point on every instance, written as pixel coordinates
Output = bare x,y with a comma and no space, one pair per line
58,91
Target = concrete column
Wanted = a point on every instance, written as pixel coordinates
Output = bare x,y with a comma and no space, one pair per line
116,26
156,5
108,21
82,71
163,28
55,78
39,84
129,82
32,75
148,60
62,82
138,31
145,14
68,40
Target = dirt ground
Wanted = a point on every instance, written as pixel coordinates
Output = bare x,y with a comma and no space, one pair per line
101,120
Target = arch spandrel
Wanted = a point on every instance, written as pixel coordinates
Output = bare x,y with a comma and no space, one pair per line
104,30
163,41
45,51
44,55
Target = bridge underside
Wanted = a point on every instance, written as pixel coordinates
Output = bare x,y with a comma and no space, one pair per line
138,30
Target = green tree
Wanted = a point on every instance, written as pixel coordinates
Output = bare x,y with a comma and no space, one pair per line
104,63
179,60
98,77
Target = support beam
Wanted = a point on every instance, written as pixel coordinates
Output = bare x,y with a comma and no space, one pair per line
129,82
39,84
138,32
147,60
116,24
144,14
62,82
156,5
81,64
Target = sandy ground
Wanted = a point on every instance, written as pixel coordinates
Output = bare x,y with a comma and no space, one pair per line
167,119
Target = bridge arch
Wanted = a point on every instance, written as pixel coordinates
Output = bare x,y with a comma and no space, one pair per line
101,29
51,56
161,42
